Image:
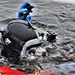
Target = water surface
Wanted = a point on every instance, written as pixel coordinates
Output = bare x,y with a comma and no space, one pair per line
48,15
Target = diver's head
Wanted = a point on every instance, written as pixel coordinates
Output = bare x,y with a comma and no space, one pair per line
27,6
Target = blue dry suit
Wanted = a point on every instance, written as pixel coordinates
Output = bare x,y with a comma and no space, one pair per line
24,12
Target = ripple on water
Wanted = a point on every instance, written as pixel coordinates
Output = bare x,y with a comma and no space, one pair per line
53,16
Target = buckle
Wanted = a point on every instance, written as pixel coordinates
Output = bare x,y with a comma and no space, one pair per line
22,43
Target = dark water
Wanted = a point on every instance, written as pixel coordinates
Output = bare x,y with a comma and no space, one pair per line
56,17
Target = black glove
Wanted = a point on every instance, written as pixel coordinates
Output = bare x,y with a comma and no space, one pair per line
29,7
51,36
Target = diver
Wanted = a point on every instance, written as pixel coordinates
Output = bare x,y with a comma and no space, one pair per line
20,35
24,14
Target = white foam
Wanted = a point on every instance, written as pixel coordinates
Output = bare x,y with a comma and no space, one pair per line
65,1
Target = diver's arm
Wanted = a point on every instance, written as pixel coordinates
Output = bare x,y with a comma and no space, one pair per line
24,12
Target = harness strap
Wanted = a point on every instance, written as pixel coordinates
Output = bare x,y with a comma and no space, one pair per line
18,40
14,37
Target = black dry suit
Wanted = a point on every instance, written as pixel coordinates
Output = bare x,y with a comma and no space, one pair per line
17,33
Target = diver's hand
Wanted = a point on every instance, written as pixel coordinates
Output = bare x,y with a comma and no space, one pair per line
50,36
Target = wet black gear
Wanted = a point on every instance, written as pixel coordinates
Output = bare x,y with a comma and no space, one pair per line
18,32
